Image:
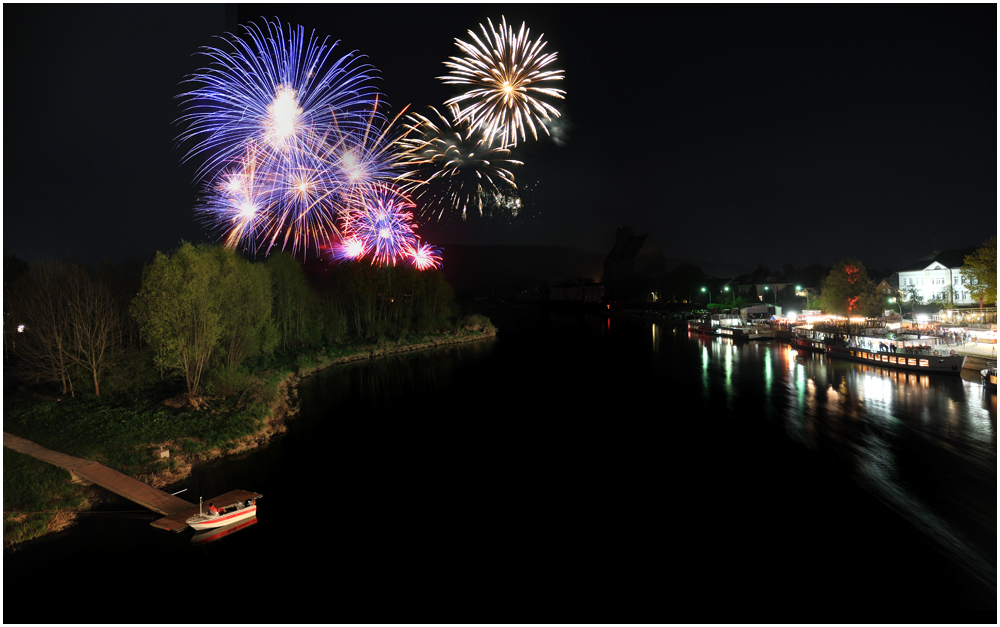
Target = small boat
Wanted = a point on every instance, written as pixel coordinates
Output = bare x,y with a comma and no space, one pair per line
989,375
756,321
726,323
211,535
226,516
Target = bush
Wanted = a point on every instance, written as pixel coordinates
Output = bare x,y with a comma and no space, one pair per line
228,380
305,361
476,322
134,372
335,325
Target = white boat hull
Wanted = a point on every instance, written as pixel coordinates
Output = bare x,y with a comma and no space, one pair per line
211,521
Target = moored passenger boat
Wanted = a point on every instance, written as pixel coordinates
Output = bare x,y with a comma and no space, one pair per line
904,353
756,321
725,324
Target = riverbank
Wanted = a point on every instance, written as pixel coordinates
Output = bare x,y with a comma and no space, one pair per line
161,442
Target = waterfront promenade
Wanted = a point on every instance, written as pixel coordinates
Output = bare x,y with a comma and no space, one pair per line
985,351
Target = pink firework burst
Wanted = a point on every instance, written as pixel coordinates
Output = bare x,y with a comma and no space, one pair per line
383,223
423,256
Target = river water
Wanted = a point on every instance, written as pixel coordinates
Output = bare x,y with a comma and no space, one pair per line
574,469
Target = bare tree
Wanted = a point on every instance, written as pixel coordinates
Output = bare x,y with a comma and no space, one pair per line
40,298
94,325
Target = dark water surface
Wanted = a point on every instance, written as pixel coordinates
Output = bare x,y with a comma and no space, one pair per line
575,469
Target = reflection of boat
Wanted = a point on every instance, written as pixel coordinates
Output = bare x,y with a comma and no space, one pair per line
211,535
211,520
989,375
921,354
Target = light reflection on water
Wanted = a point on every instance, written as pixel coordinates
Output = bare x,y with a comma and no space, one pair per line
870,420
534,458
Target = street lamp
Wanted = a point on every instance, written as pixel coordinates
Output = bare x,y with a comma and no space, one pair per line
767,288
725,289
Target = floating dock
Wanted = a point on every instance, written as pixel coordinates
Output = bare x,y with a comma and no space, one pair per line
175,510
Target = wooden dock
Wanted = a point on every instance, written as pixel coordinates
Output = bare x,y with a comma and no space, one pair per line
176,521
175,509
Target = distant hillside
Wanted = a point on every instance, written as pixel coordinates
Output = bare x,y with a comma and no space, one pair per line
477,267
481,267
713,268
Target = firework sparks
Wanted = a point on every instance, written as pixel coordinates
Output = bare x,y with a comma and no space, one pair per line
268,104
274,87
508,81
423,256
297,151
348,249
383,224
364,157
451,168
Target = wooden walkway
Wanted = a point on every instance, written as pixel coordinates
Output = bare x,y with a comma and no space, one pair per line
175,509
176,521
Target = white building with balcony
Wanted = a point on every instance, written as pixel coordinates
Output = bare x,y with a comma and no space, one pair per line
933,274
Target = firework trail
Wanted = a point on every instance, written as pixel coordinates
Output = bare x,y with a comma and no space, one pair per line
297,151
452,168
236,202
506,73
274,88
263,201
263,115
363,158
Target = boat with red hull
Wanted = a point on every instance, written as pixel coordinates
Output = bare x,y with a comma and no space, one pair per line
211,535
212,519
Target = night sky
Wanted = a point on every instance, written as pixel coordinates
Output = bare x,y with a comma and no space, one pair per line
741,134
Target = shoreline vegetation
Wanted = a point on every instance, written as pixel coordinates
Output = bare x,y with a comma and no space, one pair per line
90,352
43,499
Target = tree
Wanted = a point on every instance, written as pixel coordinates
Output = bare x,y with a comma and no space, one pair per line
179,310
13,270
294,307
847,290
72,324
244,306
947,297
813,274
910,294
94,325
980,272
683,283
40,299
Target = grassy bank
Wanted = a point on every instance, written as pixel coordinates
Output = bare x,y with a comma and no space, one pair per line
127,433
38,498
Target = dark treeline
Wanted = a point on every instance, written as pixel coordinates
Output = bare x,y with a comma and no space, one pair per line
684,284
201,314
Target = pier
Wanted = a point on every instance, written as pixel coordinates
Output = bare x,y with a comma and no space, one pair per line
175,510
